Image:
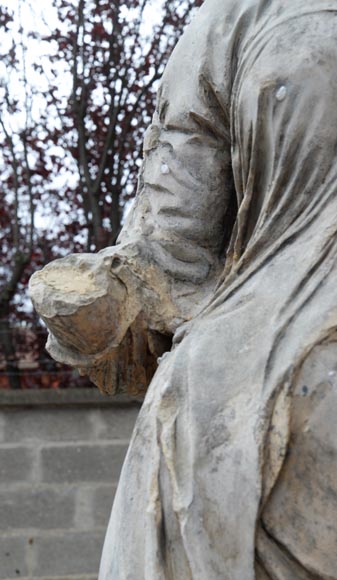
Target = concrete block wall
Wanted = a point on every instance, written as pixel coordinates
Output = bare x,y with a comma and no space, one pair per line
59,468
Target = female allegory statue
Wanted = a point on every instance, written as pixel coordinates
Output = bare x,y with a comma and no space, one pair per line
231,247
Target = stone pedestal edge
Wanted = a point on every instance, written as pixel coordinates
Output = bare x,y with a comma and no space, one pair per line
71,397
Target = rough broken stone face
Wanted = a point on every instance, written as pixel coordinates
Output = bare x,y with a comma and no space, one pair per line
82,302
93,326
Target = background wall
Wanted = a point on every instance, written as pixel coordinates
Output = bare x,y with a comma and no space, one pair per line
60,460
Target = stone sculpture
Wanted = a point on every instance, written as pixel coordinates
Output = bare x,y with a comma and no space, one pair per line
231,473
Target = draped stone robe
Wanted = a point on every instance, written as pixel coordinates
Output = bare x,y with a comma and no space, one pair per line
231,471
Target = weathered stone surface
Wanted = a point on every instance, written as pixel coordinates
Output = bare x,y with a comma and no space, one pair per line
96,325
232,472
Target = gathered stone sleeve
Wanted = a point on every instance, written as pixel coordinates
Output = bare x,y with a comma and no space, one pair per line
174,237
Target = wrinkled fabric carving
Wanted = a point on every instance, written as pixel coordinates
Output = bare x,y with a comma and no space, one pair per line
203,470
231,245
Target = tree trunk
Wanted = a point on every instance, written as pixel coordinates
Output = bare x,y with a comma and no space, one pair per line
7,347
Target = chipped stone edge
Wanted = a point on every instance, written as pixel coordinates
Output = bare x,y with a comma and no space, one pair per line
70,397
